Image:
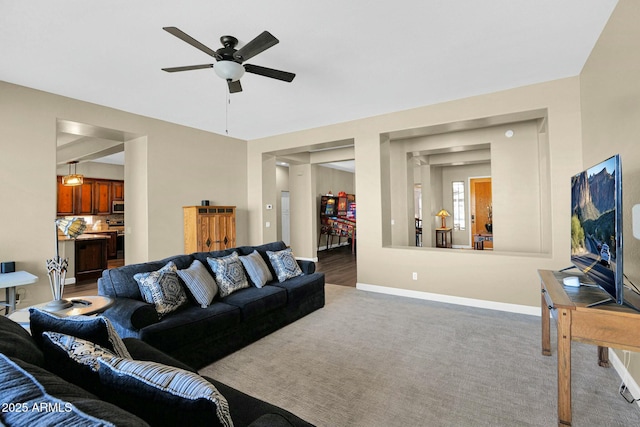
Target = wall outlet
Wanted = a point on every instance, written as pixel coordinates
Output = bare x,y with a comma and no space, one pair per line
414,275
267,224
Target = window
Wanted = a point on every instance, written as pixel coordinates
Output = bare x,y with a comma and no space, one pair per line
458,206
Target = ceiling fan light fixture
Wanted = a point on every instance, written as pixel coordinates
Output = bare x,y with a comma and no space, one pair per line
229,70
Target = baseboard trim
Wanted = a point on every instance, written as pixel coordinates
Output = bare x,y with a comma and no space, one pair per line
307,259
625,376
469,302
70,281
333,246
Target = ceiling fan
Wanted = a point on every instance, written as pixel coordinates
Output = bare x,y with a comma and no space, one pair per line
230,60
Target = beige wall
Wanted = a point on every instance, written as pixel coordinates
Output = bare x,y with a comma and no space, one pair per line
502,277
610,90
169,167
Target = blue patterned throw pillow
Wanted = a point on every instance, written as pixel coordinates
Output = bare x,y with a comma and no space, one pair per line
97,329
199,282
80,351
284,264
229,273
162,288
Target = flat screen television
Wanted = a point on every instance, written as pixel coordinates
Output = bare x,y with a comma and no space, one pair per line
596,226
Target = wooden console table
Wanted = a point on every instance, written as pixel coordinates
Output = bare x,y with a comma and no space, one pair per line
609,325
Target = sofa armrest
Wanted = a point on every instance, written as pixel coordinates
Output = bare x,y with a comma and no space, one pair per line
247,410
307,267
131,314
140,350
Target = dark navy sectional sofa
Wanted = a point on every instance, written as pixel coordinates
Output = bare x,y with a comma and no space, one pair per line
199,336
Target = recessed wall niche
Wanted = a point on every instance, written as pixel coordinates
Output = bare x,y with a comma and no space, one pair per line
432,158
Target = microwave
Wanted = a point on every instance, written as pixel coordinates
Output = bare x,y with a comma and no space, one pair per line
117,206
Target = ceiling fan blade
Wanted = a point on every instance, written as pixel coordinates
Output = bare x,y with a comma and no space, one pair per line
234,86
187,68
269,72
193,42
261,43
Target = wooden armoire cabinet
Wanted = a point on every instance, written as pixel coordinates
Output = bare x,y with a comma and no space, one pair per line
209,228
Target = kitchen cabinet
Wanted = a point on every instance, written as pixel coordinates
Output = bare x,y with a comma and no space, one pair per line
117,190
65,199
83,202
91,258
112,242
209,228
102,197
93,197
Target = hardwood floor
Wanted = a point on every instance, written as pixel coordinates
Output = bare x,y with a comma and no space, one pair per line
88,287
338,266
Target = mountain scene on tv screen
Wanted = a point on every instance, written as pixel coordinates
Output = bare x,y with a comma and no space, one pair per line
593,234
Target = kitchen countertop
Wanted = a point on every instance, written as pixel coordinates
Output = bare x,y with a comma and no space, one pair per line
85,236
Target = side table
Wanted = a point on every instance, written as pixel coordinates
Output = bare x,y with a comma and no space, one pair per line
9,281
84,305
443,238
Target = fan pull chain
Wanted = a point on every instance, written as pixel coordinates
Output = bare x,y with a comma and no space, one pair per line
226,125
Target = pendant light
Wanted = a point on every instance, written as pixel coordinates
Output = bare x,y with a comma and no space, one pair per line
73,179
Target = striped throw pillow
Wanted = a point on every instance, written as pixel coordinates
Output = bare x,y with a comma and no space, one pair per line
199,282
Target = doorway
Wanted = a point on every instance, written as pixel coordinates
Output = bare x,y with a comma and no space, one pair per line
481,202
285,217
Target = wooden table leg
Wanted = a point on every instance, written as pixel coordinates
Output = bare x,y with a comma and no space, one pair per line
564,367
603,356
546,328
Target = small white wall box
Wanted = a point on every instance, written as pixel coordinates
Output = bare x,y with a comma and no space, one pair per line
635,215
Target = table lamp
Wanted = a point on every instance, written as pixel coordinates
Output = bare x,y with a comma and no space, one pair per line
57,267
443,214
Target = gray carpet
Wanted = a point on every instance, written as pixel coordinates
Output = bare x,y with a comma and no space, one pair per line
369,359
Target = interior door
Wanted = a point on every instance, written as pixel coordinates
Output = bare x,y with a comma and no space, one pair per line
481,206
284,215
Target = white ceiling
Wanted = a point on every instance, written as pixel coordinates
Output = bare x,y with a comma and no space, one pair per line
353,59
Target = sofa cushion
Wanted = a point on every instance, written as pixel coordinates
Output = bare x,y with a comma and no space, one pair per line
257,301
229,273
119,282
192,324
200,283
40,398
284,264
162,288
141,350
257,269
302,287
15,341
97,329
164,395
